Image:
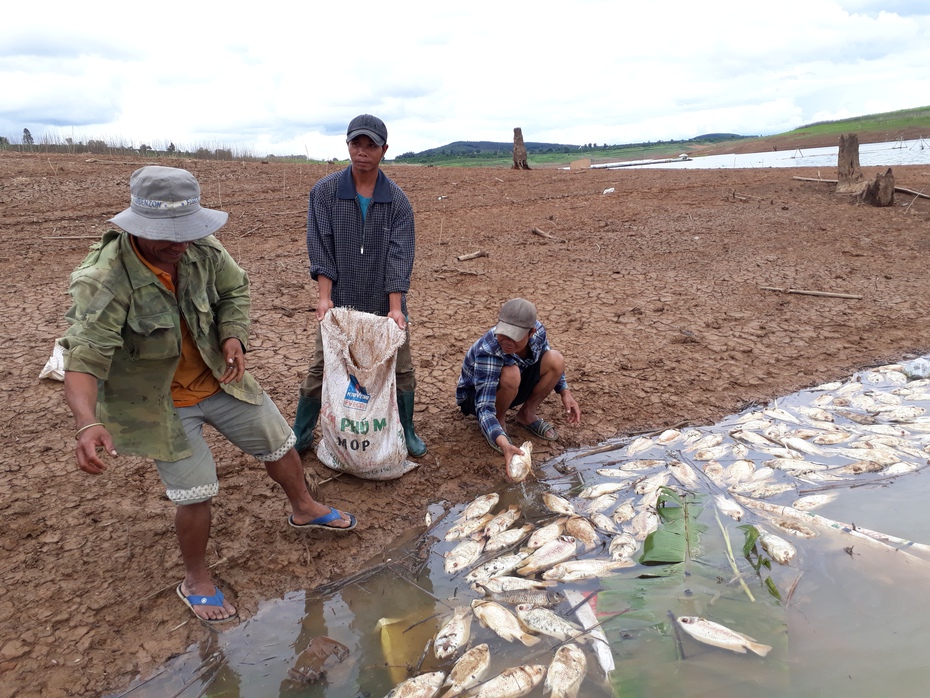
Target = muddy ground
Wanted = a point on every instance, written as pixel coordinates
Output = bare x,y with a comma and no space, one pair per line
654,293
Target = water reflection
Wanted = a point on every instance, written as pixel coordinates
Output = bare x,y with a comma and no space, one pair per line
846,612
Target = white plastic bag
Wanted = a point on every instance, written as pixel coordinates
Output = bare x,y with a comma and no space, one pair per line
361,429
55,366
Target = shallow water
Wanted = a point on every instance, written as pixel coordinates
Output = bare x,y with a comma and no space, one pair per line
889,154
850,620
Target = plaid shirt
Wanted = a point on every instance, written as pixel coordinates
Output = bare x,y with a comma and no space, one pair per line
481,374
365,259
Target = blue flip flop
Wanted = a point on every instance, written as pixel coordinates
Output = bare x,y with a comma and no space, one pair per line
324,521
200,600
540,428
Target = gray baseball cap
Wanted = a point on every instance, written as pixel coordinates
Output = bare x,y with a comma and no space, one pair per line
516,319
165,205
367,125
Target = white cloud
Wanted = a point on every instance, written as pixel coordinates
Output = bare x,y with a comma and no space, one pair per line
284,78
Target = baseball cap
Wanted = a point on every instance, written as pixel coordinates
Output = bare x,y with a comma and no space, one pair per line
165,205
516,318
367,125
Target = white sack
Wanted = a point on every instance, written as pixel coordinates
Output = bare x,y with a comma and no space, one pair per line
362,431
55,366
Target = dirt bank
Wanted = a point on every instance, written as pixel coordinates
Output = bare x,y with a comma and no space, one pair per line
652,292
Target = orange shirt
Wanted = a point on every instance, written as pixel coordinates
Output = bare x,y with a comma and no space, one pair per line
193,380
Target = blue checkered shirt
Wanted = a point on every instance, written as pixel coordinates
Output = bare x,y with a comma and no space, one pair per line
365,259
481,374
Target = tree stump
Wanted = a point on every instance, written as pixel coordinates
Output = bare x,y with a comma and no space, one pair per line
849,175
879,192
519,151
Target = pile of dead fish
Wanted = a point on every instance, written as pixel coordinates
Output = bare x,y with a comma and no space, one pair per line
522,573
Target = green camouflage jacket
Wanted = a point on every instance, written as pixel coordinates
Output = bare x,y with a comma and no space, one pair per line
126,331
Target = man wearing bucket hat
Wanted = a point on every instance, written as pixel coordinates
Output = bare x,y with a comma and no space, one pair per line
512,365
159,323
360,239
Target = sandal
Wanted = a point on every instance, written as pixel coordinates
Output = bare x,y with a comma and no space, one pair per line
540,428
495,446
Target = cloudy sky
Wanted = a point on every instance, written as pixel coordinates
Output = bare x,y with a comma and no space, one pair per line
283,78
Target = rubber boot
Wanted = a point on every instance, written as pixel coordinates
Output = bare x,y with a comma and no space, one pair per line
308,411
415,445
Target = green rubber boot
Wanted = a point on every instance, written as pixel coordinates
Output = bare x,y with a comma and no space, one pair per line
308,411
415,445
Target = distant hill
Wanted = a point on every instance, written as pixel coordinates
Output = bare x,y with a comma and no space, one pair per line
491,149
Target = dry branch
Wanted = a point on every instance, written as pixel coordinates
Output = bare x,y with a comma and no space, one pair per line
548,236
473,255
827,294
903,190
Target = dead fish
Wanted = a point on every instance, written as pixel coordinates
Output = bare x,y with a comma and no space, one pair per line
762,490
422,686
463,555
802,446
514,682
902,468
641,464
683,472
498,619
643,524
883,456
552,553
576,570
624,512
604,523
708,441
544,621
714,453
468,671
622,547
616,473
521,465
496,567
496,585
454,634
729,507
817,413
566,672
904,414
595,491
712,633
557,504
549,532
794,528
319,656
794,465
812,501
750,437
533,597
781,415
860,466
583,531
643,443
481,505
605,501
467,527
856,417
668,436
507,538
778,548
651,484
832,438
763,473
739,471
715,471
503,521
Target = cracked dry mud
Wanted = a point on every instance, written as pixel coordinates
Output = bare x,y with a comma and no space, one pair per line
652,292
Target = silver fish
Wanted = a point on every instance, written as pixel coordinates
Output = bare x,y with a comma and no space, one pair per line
514,682
468,671
643,443
422,686
813,501
622,547
466,527
463,555
481,505
714,453
624,512
683,472
566,672
604,523
778,548
533,597
729,507
546,622
595,491
711,633
576,570
583,531
641,464
495,617
454,634
496,585
503,521
521,465
794,528
507,538
497,566
543,535
652,483
669,436
643,524
557,504
605,501
552,553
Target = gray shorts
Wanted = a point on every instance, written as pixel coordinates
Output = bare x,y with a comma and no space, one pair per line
258,430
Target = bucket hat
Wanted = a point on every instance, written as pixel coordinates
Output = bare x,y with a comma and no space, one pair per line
165,205
516,319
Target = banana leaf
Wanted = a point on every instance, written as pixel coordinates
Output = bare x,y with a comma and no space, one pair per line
678,536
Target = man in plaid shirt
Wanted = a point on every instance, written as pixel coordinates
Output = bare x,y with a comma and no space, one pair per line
360,238
512,365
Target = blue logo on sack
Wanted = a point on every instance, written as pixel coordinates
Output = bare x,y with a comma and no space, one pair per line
356,396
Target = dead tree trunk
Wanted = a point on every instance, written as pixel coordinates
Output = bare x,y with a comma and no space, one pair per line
519,151
849,174
879,192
